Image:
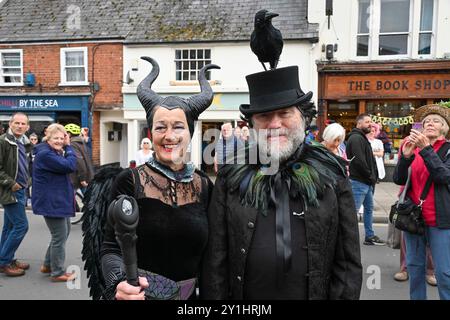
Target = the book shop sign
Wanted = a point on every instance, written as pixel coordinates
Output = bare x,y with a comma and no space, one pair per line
391,86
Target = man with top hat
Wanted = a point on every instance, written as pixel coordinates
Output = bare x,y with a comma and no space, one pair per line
283,224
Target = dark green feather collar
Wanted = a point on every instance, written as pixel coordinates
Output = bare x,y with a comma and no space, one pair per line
307,173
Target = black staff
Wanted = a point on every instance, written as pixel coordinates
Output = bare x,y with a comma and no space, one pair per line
124,216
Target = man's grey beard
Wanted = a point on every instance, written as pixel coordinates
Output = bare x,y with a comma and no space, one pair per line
276,153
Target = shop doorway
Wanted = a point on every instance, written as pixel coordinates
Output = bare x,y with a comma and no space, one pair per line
210,136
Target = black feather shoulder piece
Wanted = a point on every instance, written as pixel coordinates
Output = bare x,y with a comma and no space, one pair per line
96,201
308,172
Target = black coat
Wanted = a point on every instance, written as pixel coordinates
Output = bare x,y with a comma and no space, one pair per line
334,261
363,167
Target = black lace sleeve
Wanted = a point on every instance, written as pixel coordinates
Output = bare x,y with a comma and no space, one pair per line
113,271
123,184
111,255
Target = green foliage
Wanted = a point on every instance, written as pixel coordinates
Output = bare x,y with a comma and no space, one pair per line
445,104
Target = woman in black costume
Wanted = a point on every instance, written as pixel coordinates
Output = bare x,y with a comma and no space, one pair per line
172,197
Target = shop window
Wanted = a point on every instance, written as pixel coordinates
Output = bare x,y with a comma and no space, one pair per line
11,68
395,120
74,70
389,28
189,61
394,27
343,113
363,28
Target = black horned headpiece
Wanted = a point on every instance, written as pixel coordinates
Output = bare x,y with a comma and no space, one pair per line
192,106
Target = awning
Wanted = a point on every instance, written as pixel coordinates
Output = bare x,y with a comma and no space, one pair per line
33,117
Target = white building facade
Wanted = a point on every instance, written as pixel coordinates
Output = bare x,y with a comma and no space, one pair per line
228,83
180,40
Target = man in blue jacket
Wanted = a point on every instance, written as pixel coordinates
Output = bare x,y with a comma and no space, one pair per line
14,179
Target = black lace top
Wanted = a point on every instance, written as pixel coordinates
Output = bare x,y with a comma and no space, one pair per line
173,227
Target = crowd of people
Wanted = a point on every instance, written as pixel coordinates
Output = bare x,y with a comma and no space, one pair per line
48,173
283,229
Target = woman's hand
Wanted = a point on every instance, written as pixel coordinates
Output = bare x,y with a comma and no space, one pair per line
66,140
125,291
408,148
419,139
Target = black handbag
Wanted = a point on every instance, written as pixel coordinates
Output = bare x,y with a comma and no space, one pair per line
407,216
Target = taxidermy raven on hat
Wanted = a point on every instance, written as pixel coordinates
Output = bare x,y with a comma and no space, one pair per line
266,41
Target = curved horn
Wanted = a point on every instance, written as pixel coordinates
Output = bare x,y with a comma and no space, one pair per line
149,98
199,102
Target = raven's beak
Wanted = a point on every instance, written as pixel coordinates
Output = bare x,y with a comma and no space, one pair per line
270,15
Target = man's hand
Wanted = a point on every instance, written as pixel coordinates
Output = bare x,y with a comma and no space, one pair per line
16,187
126,291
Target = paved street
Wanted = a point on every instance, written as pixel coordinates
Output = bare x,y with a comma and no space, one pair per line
35,285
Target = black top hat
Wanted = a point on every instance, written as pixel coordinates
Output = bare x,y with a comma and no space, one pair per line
274,89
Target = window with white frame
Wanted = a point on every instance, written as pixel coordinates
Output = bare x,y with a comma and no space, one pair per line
426,26
74,66
11,68
363,28
393,28
189,61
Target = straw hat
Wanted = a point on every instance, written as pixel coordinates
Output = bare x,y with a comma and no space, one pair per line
428,109
423,111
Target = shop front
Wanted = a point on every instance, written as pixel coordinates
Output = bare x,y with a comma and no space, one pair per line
388,91
43,110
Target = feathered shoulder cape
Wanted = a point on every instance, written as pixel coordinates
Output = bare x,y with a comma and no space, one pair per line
307,173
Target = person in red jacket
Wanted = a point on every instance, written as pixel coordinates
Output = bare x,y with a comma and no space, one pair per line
420,160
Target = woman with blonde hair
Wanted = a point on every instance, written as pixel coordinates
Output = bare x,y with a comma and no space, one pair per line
53,196
424,169
145,153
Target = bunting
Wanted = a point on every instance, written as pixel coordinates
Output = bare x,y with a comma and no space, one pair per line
400,121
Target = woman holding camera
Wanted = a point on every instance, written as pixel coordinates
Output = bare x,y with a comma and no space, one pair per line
420,154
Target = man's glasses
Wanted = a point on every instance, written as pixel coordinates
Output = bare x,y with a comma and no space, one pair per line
146,143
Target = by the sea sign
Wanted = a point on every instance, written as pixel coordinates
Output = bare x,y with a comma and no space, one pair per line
47,103
38,103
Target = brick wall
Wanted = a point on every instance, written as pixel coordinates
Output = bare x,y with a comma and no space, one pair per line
96,137
104,67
